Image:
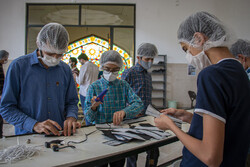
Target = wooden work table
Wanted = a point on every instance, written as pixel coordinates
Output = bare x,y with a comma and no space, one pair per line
89,153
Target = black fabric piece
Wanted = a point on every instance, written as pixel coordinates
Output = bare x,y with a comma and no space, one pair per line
110,135
146,125
144,136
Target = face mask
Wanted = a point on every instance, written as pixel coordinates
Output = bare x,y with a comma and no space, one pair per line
110,76
200,60
146,65
50,61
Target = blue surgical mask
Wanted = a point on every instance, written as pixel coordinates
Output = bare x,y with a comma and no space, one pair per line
146,65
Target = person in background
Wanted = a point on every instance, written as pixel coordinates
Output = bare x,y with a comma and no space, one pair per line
74,69
100,74
72,64
88,74
219,131
39,93
241,50
120,101
141,82
4,55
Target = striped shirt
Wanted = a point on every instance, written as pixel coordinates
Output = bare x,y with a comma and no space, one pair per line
141,82
119,97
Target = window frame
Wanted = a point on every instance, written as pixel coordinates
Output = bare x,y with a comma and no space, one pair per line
111,27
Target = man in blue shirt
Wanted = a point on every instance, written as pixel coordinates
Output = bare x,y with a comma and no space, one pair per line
241,50
39,92
141,82
120,101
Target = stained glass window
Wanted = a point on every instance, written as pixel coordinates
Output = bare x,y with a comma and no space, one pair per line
93,47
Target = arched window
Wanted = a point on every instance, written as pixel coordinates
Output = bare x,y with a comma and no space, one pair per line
93,47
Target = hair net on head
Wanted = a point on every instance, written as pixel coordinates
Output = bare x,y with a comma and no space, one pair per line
241,47
147,50
206,24
53,38
3,54
111,57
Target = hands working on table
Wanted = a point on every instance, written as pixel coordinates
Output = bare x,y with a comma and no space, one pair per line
49,126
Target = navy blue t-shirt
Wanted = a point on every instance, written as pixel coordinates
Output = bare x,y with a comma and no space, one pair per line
224,93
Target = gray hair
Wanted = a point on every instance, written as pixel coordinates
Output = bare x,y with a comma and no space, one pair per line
3,54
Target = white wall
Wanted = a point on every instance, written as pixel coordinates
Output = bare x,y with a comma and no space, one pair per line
157,21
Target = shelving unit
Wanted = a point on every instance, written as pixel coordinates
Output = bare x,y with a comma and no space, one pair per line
159,80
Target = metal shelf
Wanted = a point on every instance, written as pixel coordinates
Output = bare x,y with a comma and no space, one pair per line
158,89
159,73
164,82
158,65
158,97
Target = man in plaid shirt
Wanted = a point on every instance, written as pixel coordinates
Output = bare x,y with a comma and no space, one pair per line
141,82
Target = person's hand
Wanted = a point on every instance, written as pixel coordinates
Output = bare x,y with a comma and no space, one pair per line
118,117
179,113
94,103
70,123
163,122
47,127
139,115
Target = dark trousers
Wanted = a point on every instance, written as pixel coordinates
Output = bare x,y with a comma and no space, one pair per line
119,163
151,161
82,99
1,126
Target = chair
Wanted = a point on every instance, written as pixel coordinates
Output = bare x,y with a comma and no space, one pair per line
192,96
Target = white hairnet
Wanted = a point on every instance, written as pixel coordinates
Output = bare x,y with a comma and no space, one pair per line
111,57
241,47
206,24
53,38
3,54
147,50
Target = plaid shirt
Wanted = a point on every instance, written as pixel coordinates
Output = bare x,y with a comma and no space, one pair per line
1,79
141,82
120,96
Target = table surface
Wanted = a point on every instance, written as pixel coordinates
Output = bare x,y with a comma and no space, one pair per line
89,153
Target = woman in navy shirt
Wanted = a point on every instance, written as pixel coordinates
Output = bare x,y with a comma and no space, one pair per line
219,133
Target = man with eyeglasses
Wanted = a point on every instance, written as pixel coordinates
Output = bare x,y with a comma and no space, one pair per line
39,93
120,101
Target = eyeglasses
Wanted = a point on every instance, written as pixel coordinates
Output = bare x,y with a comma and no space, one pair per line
111,69
53,54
